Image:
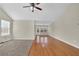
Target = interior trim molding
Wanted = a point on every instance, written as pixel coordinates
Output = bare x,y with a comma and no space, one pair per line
65,41
23,38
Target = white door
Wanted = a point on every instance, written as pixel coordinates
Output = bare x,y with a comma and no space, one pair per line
41,30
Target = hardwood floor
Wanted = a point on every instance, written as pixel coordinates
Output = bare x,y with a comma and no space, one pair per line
53,47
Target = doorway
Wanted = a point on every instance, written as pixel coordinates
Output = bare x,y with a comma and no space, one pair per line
41,33
41,30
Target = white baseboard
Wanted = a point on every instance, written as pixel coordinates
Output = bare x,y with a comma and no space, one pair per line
65,41
23,38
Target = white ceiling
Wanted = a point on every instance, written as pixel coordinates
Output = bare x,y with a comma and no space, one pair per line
50,12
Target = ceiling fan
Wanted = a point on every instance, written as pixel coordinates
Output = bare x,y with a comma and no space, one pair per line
33,6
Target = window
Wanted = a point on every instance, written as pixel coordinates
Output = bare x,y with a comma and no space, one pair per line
5,27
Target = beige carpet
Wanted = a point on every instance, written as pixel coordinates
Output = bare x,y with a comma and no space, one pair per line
15,48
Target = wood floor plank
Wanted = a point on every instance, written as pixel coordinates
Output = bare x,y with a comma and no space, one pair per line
53,47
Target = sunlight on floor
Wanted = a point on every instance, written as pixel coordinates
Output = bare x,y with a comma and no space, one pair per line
42,40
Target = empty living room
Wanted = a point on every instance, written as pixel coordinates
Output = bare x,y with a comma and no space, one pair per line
39,29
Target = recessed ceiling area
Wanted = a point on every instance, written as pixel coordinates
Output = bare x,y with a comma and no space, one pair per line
50,11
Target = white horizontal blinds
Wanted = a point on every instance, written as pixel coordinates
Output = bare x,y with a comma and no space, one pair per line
5,27
41,29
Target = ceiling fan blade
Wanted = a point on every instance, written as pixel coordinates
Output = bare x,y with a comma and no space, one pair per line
38,8
26,6
32,4
37,3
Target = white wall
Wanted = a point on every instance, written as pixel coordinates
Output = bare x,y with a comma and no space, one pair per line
67,26
4,16
51,29
23,29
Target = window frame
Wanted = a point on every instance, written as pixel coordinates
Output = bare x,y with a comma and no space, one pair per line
8,28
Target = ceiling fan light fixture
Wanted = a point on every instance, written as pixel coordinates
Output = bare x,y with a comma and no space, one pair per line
32,9
33,6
